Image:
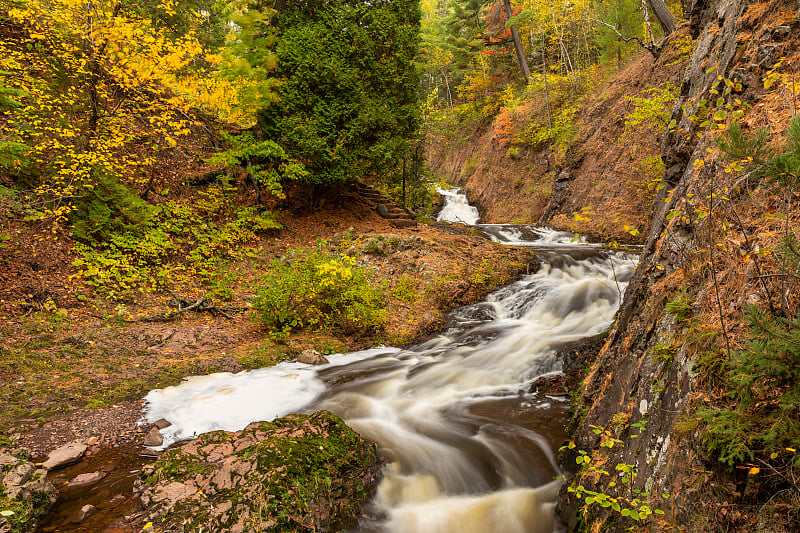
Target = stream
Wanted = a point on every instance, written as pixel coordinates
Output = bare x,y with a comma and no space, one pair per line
471,447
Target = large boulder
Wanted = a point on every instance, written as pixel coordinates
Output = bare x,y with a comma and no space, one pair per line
298,473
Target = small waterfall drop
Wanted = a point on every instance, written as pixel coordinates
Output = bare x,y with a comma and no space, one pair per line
471,448
456,208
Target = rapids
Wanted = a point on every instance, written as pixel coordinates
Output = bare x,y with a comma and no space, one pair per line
470,448
456,208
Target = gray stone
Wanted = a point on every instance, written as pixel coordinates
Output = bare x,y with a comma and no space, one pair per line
382,210
765,53
162,423
6,459
81,514
153,438
86,479
312,357
20,474
65,455
781,32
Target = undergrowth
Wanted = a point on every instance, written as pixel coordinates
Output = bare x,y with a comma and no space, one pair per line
168,244
319,289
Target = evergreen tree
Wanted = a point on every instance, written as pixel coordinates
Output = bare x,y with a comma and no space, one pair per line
348,98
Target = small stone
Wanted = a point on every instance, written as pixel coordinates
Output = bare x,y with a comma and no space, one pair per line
92,441
81,514
162,423
6,459
153,438
781,32
312,357
65,455
643,407
86,479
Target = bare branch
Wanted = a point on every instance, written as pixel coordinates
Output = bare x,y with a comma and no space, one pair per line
653,49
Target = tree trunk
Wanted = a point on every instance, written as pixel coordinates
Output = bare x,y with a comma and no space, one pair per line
664,15
523,63
546,88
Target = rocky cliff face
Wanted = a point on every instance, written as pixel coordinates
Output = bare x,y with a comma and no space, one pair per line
683,314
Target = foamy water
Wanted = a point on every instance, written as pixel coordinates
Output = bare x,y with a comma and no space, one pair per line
456,208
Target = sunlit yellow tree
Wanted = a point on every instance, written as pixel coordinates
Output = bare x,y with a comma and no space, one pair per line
107,85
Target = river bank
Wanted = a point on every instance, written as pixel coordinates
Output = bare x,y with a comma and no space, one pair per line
76,370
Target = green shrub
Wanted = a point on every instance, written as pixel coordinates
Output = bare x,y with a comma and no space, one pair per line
764,380
680,306
177,242
405,290
319,289
107,208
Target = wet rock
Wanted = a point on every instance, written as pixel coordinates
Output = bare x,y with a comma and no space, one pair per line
153,438
197,486
162,423
65,455
86,479
81,514
312,357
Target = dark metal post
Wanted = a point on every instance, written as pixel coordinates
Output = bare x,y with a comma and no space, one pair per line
404,182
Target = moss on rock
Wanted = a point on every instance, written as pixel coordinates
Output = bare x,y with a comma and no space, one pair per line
297,473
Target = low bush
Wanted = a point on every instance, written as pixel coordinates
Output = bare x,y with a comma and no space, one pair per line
319,289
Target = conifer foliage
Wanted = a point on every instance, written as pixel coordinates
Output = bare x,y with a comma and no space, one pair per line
348,102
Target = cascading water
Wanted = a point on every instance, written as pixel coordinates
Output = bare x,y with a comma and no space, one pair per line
471,449
456,208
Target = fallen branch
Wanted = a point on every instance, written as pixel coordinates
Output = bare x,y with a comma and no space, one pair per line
201,305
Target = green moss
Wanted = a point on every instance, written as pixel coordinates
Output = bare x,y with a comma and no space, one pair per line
301,473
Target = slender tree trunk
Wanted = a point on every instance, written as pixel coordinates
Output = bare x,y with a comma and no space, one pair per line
648,28
546,88
564,53
447,84
523,63
664,15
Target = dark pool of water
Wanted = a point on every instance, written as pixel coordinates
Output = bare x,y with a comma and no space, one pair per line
112,495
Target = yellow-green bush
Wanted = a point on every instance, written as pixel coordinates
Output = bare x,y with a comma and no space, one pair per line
319,289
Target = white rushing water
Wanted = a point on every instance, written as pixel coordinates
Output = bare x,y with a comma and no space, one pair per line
456,208
470,447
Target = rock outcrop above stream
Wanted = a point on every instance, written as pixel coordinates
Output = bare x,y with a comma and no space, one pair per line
636,412
25,493
297,473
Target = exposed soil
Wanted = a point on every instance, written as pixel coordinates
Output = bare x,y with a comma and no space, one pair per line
608,179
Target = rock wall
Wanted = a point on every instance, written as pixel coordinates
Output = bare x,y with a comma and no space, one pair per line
636,403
